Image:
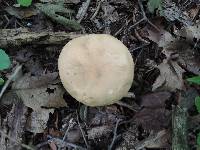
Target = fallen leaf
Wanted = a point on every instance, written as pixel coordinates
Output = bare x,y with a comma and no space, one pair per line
193,12
154,100
21,13
187,36
37,121
37,92
99,132
171,12
53,145
129,137
152,119
162,38
189,59
74,136
190,32
170,77
160,140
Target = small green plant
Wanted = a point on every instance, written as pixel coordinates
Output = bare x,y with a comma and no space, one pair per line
195,80
4,63
198,139
197,103
24,3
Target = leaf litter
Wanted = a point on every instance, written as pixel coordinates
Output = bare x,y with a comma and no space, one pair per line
173,49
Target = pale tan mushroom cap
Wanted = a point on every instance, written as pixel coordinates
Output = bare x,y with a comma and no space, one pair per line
96,69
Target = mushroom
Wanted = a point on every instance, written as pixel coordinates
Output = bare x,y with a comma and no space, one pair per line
96,69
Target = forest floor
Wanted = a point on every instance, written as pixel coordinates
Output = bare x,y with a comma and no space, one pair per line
163,106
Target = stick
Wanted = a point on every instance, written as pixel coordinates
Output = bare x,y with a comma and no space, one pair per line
10,79
21,36
115,137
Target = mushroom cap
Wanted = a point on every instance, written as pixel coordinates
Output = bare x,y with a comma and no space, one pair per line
96,69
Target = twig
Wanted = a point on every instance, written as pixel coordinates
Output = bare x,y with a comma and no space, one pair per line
71,124
139,47
83,10
83,134
97,10
144,18
21,36
127,106
38,146
10,79
180,119
120,30
115,137
60,142
15,141
179,126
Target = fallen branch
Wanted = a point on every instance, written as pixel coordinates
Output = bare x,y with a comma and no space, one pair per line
180,119
21,36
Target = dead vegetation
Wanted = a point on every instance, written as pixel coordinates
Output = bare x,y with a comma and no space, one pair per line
36,112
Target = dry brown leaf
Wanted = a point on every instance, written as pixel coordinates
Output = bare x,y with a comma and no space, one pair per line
152,119
98,132
155,100
37,120
190,33
189,58
160,140
170,77
37,92
171,12
53,146
193,12
162,38
74,136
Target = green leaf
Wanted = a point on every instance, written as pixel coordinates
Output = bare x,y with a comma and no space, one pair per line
25,3
197,103
198,139
1,81
4,60
154,4
195,80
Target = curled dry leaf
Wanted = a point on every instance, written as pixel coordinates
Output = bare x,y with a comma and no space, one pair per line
170,77
37,92
188,56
